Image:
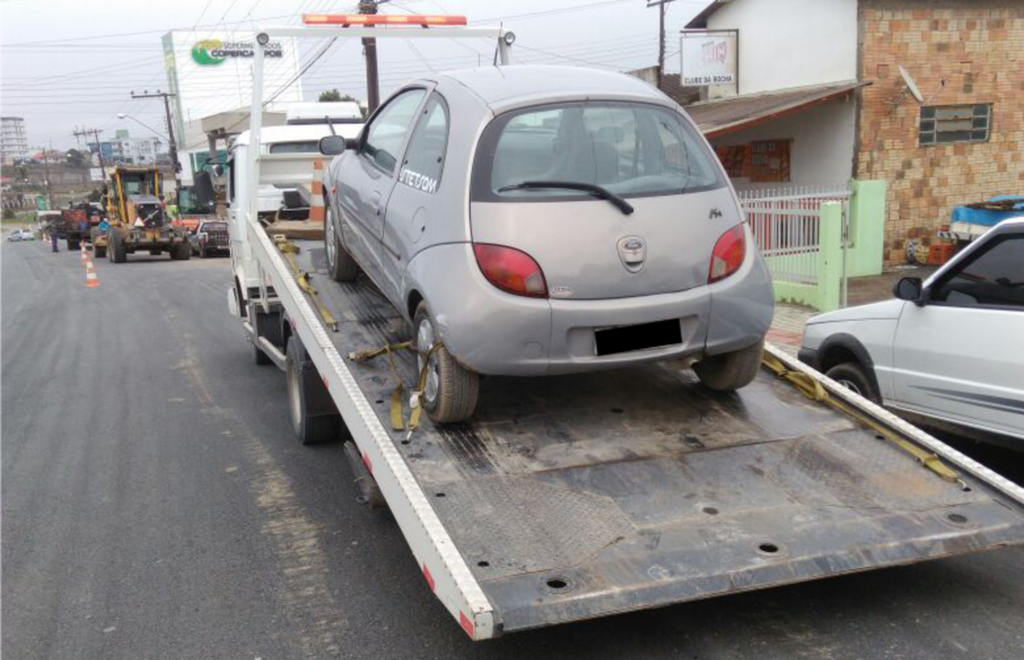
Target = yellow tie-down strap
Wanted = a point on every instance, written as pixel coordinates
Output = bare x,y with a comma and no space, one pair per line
813,388
398,421
289,250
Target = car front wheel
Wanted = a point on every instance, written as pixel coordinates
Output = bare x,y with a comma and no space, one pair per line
730,371
450,391
340,264
853,377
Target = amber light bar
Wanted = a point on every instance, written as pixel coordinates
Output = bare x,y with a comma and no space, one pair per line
381,19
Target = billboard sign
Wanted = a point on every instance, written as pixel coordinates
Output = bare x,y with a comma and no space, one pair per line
709,57
211,52
96,174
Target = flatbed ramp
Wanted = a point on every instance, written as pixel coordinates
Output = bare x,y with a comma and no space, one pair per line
575,497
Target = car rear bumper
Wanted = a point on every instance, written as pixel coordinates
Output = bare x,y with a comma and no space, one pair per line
500,334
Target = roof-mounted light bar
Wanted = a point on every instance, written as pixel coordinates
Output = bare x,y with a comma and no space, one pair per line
381,19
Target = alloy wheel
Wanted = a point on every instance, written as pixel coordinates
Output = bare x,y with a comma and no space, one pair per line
424,340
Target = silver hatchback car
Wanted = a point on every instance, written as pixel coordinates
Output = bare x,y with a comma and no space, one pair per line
536,220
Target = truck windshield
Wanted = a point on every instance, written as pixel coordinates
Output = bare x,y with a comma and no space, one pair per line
629,149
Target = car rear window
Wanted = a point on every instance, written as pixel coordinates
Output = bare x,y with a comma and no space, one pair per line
632,149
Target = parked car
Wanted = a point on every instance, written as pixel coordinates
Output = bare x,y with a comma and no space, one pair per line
210,238
949,350
573,220
19,235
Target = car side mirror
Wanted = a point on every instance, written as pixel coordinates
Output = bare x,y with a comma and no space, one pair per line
332,145
910,289
218,170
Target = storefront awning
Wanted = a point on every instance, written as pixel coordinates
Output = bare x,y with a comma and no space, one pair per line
736,113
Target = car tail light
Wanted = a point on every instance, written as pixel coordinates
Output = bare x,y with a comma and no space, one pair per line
727,257
511,270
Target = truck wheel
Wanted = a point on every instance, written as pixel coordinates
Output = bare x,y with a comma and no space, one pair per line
451,391
314,417
181,252
852,376
118,250
259,357
730,371
340,264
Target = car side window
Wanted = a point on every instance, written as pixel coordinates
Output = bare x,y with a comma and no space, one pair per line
386,133
992,278
424,159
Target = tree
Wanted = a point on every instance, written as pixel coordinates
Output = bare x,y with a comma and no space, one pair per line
333,96
76,158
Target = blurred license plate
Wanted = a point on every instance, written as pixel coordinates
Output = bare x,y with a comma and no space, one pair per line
638,337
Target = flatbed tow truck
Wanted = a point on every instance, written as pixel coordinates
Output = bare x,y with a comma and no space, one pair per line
575,497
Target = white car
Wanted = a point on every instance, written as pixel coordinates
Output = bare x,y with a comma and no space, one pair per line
948,352
21,235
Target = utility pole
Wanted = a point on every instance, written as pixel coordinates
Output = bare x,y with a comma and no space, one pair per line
172,146
46,167
370,50
95,132
660,4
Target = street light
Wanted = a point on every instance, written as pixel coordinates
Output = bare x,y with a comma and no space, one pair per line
122,115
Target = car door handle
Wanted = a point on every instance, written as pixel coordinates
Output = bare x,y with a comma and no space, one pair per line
375,202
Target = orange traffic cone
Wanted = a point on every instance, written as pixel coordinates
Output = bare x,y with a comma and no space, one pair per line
91,279
316,208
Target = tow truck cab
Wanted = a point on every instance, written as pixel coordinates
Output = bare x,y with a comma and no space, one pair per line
290,153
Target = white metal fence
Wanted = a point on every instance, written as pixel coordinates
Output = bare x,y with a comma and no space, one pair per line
786,223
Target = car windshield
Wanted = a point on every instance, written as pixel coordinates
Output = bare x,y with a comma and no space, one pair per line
629,149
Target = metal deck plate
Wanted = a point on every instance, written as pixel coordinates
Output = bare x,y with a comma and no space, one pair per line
577,496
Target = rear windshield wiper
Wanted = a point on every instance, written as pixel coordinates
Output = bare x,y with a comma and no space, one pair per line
593,189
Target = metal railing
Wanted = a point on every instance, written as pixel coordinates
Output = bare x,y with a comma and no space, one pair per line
786,223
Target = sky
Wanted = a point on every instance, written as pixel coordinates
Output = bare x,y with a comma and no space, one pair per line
74,63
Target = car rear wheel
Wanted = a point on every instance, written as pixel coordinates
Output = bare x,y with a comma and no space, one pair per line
730,371
852,376
340,264
450,391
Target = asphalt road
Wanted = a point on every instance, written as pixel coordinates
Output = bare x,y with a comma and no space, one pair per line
156,505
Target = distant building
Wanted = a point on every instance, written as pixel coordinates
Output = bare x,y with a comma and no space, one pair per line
821,100
128,150
13,139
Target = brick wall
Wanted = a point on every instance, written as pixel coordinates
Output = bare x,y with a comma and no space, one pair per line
966,51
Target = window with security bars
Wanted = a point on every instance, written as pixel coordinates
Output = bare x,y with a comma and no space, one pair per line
955,123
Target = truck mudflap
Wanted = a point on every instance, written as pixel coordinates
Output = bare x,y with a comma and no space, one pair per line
575,497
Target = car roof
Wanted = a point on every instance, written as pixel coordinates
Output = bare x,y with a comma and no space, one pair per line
507,86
